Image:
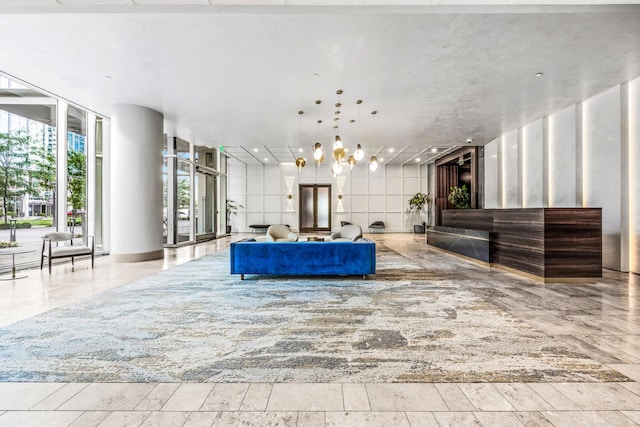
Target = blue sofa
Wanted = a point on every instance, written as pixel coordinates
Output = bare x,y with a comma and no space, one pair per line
303,258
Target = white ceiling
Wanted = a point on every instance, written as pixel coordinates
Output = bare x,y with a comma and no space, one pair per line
238,75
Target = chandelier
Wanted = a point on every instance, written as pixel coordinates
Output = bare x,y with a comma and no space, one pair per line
339,153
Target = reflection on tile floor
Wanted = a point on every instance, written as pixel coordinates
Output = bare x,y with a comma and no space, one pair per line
603,319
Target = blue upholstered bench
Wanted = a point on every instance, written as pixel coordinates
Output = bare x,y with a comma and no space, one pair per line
303,258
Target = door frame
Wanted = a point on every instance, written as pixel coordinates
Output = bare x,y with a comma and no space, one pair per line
315,227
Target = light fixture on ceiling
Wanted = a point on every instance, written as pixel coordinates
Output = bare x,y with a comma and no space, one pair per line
359,153
373,161
539,74
300,162
352,161
339,152
434,150
317,152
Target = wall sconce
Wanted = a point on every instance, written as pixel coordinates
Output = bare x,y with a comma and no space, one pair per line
300,162
289,203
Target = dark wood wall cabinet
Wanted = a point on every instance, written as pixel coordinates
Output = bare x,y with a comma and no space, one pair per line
550,244
455,170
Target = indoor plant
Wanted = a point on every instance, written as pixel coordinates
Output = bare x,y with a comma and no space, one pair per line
459,197
231,208
416,204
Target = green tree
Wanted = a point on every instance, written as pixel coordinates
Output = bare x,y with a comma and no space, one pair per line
14,166
42,172
77,179
183,192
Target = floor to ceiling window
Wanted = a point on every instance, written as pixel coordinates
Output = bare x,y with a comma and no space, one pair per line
30,127
77,170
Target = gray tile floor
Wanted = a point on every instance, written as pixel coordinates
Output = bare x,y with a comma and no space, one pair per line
602,318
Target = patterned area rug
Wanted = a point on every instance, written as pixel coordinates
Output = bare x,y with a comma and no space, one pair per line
197,323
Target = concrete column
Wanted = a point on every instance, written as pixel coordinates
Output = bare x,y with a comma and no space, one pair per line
136,183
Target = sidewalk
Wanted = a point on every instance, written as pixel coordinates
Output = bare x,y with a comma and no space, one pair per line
27,238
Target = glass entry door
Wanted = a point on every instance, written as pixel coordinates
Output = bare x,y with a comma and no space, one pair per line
315,208
205,205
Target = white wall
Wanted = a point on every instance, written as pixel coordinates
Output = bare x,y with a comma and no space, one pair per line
601,186
532,165
587,154
492,175
561,162
509,164
634,174
367,196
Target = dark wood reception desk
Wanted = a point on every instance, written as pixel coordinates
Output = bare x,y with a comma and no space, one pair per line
550,244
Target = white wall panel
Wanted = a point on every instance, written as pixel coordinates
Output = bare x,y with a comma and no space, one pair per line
254,185
360,203
290,218
411,185
561,162
273,203
361,219
376,204
376,185
272,185
634,175
394,203
255,171
382,195
254,203
272,170
532,165
359,186
509,166
393,171
273,218
491,183
252,218
394,221
601,168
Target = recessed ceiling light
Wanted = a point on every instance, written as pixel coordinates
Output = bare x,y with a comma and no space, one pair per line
539,74
255,150
316,75
434,150
107,77
266,160
391,150
300,150
381,160
418,159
